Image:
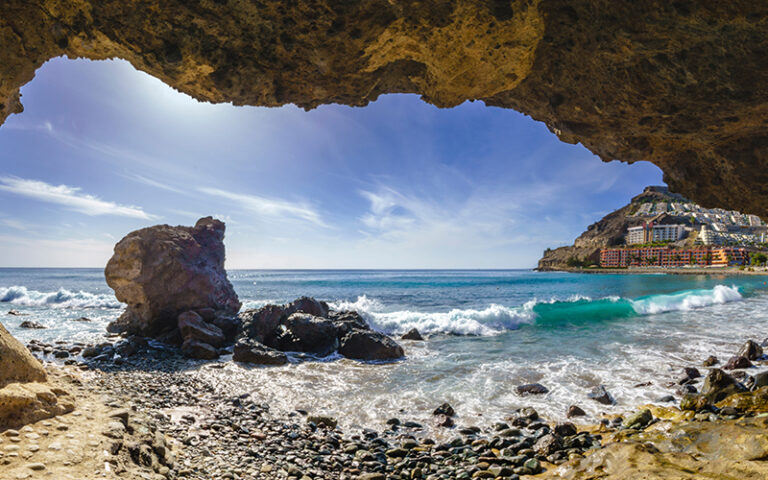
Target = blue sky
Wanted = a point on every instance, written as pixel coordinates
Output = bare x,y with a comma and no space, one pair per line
103,149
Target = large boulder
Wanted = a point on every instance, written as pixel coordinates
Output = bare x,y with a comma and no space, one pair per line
347,321
163,271
369,345
261,324
250,351
308,305
307,333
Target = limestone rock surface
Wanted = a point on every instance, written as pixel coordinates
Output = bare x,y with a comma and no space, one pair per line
17,365
25,395
682,84
163,271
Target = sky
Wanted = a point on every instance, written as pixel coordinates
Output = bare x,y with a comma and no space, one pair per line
103,149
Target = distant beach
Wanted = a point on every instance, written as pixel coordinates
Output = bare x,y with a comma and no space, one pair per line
727,271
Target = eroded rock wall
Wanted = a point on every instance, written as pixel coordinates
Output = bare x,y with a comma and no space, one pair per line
683,84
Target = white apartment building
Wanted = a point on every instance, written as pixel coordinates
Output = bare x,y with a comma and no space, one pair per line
655,233
707,236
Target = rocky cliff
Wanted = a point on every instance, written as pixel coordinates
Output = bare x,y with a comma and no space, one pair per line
683,84
607,232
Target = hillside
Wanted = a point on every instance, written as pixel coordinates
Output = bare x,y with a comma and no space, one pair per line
608,231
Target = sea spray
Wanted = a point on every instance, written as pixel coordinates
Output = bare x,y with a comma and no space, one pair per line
62,298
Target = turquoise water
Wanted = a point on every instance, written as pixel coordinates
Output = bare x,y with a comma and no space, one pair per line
489,331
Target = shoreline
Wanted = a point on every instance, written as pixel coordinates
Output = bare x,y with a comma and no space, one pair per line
217,434
727,271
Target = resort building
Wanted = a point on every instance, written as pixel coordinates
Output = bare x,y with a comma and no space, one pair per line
669,257
649,232
707,236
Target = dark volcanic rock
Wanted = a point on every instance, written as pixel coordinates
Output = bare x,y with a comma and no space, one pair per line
750,350
196,349
601,395
718,385
443,421
250,351
293,327
31,324
531,389
347,321
737,362
163,271
575,411
308,305
412,334
304,332
369,345
192,326
710,361
444,409
261,324
548,444
565,429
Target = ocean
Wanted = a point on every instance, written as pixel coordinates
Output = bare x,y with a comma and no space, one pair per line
488,331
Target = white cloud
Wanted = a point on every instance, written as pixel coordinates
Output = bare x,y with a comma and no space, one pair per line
153,183
268,207
69,197
12,223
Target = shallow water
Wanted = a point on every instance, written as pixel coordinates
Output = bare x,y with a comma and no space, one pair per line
569,332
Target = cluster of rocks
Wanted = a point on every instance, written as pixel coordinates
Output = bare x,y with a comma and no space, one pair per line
176,290
726,394
309,326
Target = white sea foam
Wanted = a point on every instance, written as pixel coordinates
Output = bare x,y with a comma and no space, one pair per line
62,298
254,304
495,319
491,320
688,300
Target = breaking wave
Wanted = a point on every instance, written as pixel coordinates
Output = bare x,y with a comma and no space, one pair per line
495,319
61,298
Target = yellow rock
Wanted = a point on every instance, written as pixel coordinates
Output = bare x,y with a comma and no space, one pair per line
732,450
672,414
756,401
21,404
16,363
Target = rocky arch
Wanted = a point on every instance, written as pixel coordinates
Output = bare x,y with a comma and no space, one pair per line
680,83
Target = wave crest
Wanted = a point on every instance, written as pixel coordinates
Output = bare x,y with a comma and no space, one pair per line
496,319
62,298
687,300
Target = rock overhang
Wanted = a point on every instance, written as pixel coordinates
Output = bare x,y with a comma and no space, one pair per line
682,84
